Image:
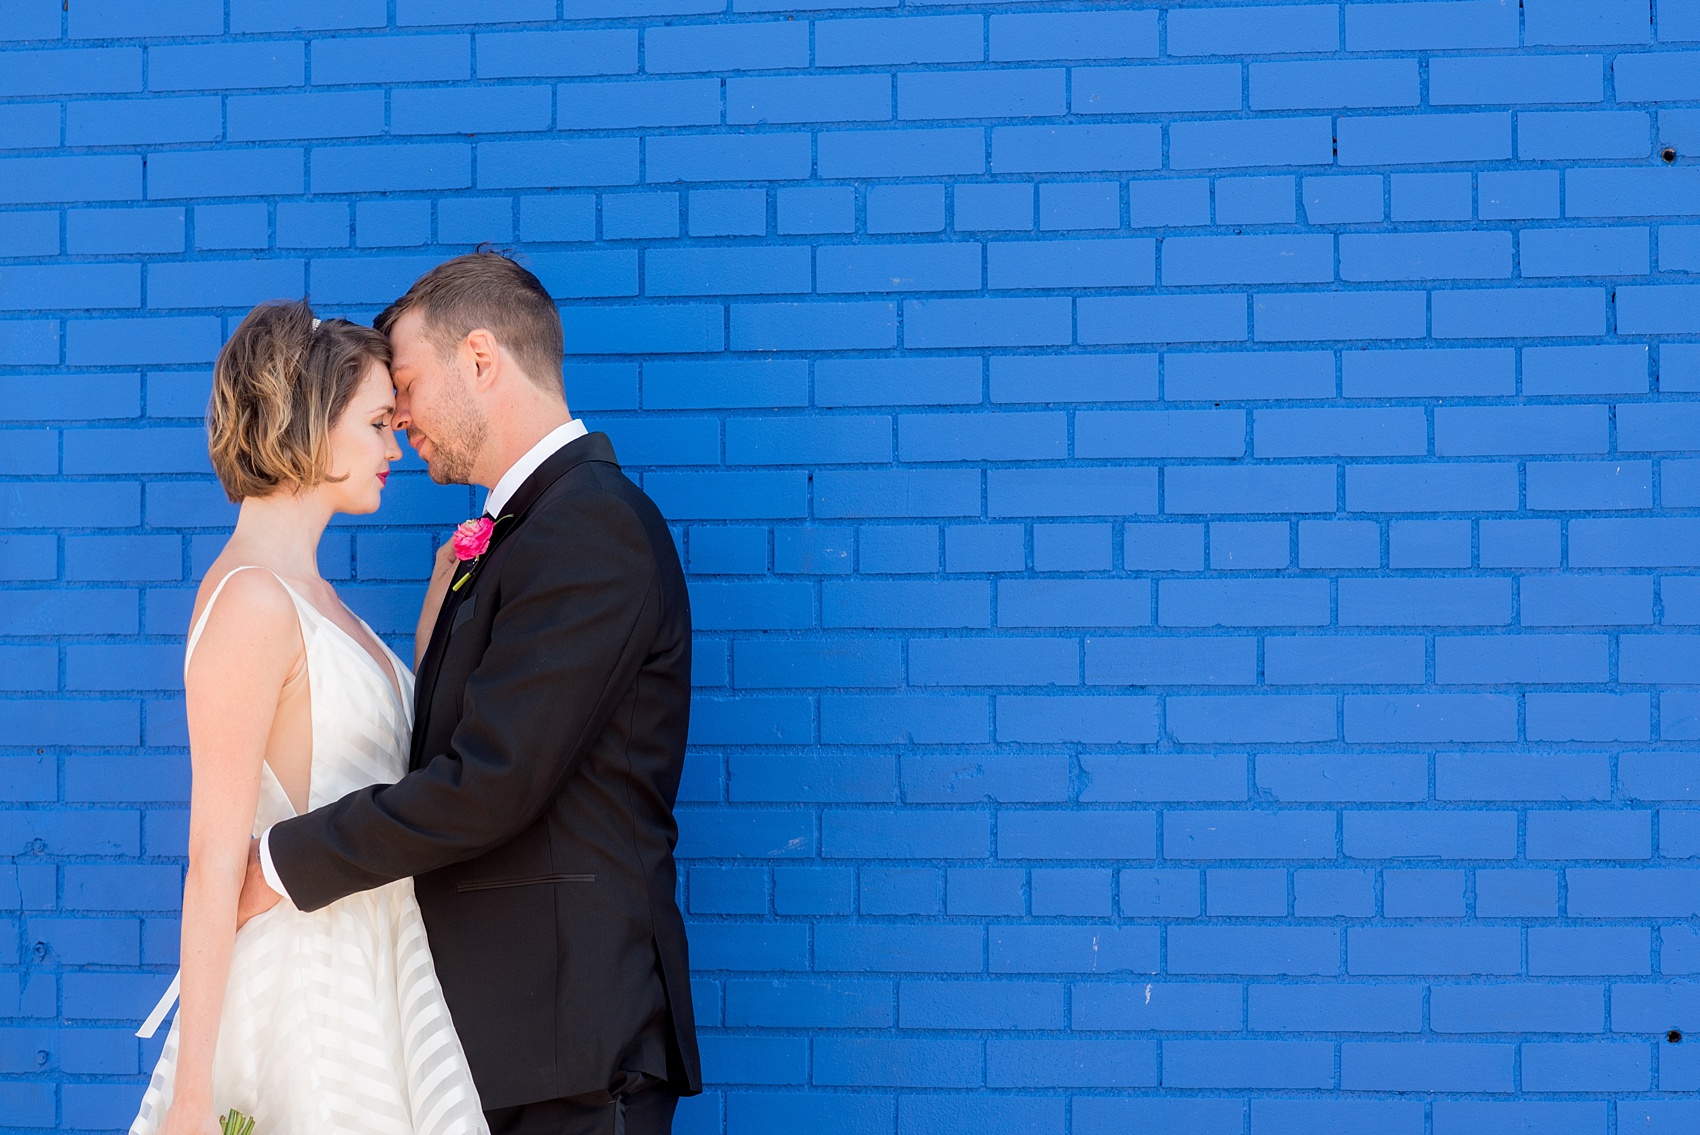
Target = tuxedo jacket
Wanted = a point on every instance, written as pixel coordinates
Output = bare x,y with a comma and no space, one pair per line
537,816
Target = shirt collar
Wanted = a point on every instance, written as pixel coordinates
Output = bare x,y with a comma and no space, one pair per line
554,441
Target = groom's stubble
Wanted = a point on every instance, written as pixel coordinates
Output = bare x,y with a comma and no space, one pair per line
458,432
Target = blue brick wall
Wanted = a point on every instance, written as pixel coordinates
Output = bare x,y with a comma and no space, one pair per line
1192,516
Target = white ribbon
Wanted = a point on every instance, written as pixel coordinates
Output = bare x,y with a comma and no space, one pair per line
151,1025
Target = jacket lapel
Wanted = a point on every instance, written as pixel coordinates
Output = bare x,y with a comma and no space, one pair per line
590,447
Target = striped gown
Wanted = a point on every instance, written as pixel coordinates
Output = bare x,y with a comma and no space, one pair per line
334,1023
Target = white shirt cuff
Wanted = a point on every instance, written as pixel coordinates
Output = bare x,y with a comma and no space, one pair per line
266,867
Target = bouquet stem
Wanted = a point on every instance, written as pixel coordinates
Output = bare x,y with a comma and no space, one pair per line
235,1123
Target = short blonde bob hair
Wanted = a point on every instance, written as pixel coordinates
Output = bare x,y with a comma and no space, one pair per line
279,386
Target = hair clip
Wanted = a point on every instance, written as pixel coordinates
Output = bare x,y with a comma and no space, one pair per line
316,323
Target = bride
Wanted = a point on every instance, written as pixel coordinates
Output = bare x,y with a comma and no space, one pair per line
330,1022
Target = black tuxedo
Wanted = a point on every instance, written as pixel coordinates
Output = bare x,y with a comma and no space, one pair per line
537,818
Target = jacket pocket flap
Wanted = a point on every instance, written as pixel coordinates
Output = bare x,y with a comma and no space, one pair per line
528,881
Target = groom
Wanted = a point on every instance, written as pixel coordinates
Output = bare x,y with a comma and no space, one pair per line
536,819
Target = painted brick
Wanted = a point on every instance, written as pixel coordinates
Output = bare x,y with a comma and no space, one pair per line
1247,260
35,233
1517,195
1290,317
733,48
1182,202
957,437
1074,35
1072,950
1253,30
962,1114
826,98
361,59
836,1113
1294,1116
906,209
1582,134
437,12
1255,200
1404,26
1627,193
1267,142
915,39
528,54
1350,1008
216,66
90,70
1144,90
900,891
1074,149
1334,83
1053,263
1534,78
78,178
252,16
1485,1115
995,206
1342,200
119,121
1566,23
33,21
1248,1064
1242,835
1264,950
1027,92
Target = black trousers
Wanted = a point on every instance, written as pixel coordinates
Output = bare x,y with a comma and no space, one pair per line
644,1108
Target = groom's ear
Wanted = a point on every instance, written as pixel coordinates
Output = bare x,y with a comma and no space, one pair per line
484,354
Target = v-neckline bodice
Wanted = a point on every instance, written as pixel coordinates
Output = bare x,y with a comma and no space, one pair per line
392,680
359,735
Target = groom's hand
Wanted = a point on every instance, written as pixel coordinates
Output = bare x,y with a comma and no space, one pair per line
257,897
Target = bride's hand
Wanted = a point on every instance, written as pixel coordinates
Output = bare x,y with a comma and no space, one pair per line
441,572
257,895
446,561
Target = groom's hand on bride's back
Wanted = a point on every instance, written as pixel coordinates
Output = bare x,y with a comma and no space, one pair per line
257,897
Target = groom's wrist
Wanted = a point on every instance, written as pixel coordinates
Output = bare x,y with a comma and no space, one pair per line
268,870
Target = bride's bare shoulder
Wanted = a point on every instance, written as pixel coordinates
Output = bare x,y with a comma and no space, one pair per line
253,612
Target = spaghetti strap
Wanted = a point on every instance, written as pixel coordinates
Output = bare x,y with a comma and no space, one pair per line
201,623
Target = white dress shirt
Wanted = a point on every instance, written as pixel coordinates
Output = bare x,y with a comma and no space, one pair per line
556,439
553,441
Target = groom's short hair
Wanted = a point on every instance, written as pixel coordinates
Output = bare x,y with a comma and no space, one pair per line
488,290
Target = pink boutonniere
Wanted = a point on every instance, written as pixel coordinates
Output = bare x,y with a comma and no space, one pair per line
472,538
470,541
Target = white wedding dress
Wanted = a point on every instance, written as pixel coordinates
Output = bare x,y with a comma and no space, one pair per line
334,1023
